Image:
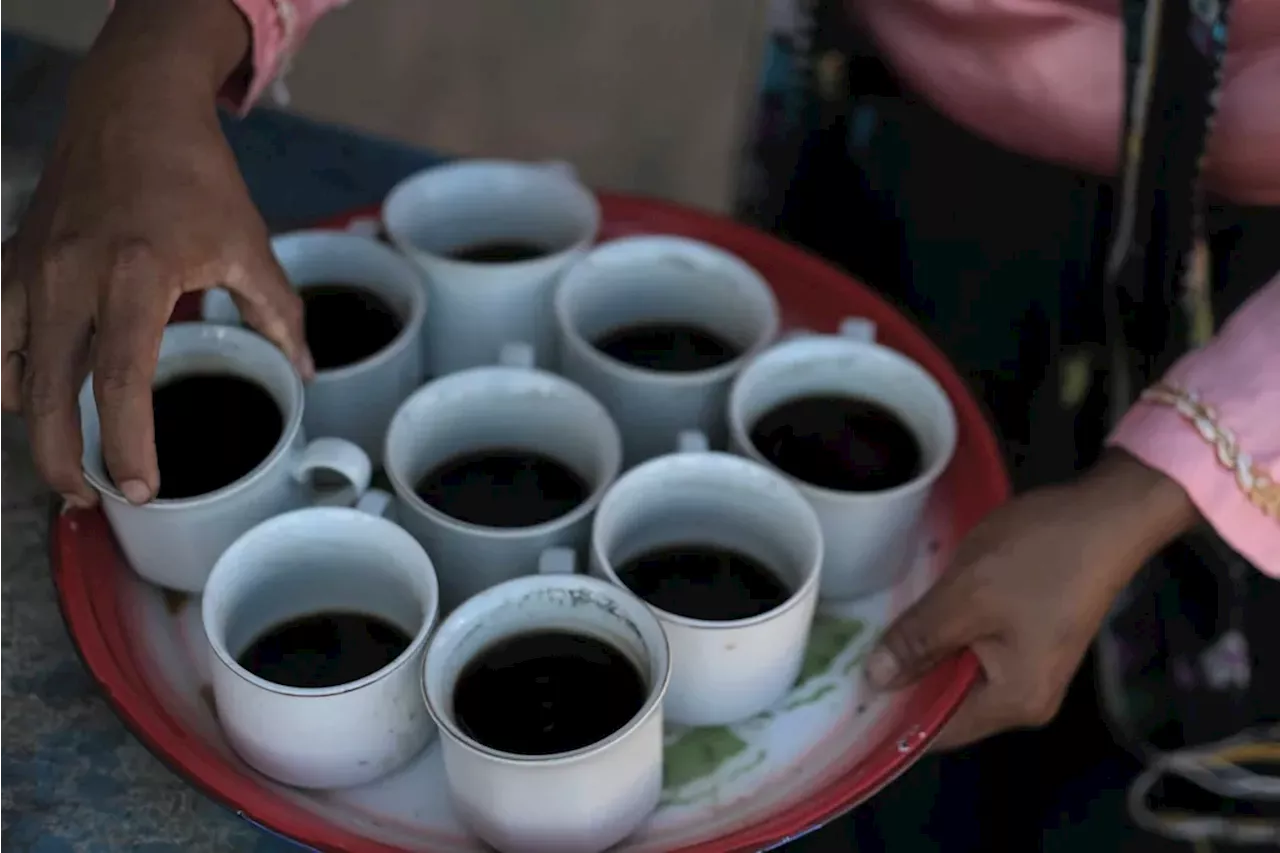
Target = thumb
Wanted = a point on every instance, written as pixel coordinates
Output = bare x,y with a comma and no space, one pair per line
937,626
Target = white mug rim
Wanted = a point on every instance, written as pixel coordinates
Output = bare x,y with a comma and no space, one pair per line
802,591
412,183
741,435
293,423
653,700
408,494
336,515
633,373
410,326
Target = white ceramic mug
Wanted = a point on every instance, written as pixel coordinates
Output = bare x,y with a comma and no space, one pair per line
175,542
721,671
870,537
322,560
508,406
641,280
355,401
478,307
582,801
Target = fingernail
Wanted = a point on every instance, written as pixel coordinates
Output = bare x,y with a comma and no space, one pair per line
882,668
71,503
135,491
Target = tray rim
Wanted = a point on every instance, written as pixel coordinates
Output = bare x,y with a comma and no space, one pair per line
881,766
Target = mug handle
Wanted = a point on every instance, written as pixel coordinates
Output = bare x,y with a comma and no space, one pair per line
217,306
561,168
692,441
558,561
375,502
858,329
343,458
365,226
516,354
850,328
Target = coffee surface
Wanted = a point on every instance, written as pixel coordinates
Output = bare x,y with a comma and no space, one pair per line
324,649
668,347
544,692
346,323
499,252
704,582
211,430
837,442
503,487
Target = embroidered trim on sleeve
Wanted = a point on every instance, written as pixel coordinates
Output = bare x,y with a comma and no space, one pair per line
288,18
1258,485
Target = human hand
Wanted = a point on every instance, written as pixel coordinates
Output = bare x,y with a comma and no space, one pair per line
140,202
1028,590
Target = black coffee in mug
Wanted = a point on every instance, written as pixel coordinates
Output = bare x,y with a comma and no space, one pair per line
211,429
839,442
324,649
499,252
503,487
346,323
668,347
704,582
547,691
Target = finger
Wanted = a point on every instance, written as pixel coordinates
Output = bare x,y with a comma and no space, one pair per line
1013,693
937,626
57,360
972,722
990,705
269,304
13,313
131,321
14,369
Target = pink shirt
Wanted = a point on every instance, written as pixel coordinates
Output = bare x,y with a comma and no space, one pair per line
1045,78
278,29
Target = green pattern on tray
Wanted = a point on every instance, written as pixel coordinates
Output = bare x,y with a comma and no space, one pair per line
717,755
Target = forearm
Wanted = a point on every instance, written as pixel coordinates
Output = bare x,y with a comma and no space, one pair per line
204,49
1141,509
191,46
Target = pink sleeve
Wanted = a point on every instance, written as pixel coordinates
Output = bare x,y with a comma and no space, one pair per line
277,29
1213,424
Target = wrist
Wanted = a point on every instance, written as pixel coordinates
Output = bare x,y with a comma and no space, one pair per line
184,48
1137,509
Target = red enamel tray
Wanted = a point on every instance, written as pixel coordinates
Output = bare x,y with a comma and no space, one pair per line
747,787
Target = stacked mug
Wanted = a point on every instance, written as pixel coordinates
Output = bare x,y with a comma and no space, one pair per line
615,499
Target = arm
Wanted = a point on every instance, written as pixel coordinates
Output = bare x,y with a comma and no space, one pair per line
96,266
1213,425
242,45
1030,585
187,49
